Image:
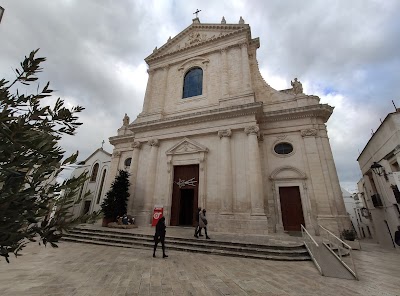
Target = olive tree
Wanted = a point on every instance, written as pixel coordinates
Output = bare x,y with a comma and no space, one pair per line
34,205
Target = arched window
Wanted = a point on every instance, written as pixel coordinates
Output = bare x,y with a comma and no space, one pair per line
193,83
101,186
94,173
127,162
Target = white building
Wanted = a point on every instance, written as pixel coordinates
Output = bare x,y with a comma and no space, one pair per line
97,165
358,214
380,165
214,134
351,209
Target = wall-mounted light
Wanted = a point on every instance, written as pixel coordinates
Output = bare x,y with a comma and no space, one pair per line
379,170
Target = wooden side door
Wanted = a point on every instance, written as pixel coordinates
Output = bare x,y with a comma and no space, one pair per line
291,208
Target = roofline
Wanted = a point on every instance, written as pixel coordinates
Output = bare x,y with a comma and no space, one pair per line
370,139
99,149
149,58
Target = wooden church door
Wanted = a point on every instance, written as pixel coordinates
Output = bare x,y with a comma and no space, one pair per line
185,195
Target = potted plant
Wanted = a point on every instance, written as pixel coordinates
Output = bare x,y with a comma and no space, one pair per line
350,237
115,203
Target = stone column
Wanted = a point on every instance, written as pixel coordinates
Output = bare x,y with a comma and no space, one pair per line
255,173
246,82
151,175
147,96
224,73
225,176
133,174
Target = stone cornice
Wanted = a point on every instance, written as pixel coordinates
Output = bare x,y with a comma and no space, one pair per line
121,139
157,55
319,110
197,117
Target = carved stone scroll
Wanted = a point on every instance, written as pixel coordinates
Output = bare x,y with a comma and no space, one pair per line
136,145
252,130
154,142
225,133
309,132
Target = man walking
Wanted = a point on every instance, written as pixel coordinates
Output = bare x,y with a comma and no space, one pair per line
197,223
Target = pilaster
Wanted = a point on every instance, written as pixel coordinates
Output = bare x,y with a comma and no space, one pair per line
151,175
246,82
225,176
148,94
133,174
224,73
255,173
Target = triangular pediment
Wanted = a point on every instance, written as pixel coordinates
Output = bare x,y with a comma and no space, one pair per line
186,146
195,35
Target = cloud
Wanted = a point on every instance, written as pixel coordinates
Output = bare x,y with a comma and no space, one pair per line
345,52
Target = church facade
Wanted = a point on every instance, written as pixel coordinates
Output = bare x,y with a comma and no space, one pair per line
213,134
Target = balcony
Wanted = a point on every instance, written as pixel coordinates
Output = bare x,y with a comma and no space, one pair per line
376,200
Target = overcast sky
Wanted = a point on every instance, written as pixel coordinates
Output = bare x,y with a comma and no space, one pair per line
346,52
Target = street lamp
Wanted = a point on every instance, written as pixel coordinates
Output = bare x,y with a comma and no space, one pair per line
379,170
1,13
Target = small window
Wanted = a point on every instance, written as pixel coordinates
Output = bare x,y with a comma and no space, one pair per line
94,173
101,186
283,148
127,162
193,83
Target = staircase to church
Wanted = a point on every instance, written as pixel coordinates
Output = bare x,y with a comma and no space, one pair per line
108,237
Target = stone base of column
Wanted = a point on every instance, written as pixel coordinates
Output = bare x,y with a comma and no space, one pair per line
226,213
238,223
279,228
143,218
335,224
258,212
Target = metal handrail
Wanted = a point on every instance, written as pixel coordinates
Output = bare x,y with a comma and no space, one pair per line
312,247
339,244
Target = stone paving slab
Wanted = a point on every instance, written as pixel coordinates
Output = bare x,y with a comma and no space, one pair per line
83,270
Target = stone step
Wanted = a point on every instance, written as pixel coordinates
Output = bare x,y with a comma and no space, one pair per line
192,244
291,251
191,249
282,246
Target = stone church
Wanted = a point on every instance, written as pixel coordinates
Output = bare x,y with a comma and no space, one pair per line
213,134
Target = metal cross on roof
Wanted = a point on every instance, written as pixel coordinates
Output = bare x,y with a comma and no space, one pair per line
102,143
196,12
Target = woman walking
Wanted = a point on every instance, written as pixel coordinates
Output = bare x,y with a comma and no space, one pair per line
203,223
159,236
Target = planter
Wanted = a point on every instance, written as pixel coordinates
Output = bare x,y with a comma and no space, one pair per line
106,221
355,245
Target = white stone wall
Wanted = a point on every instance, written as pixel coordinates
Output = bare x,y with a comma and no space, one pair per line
103,159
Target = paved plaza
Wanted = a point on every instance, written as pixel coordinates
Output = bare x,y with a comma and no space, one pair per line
80,269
